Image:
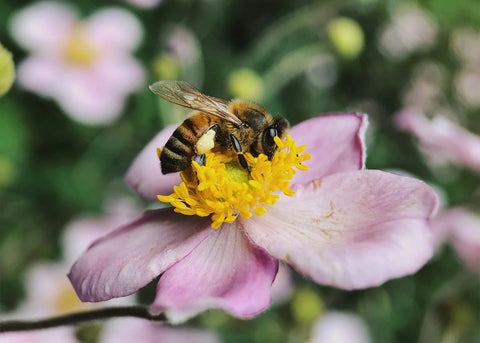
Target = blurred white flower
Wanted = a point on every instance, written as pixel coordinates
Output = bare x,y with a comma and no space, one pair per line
86,66
467,86
425,88
339,327
465,43
144,3
140,330
411,29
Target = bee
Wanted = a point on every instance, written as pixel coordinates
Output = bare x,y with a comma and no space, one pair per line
231,128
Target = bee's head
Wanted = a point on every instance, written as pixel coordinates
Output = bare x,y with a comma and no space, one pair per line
279,127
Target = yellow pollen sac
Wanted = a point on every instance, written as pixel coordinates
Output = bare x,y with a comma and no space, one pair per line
224,190
79,50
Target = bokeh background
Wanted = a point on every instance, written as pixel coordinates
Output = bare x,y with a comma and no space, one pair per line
62,160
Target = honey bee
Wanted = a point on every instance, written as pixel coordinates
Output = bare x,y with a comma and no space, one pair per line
231,128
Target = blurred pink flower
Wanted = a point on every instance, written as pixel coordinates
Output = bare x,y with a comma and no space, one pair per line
462,228
86,66
142,331
440,139
82,231
344,227
48,290
339,327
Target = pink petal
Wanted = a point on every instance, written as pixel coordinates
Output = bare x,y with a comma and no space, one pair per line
130,257
43,26
120,73
40,74
145,177
139,330
225,271
335,142
463,228
351,230
114,30
88,99
441,140
340,327
83,231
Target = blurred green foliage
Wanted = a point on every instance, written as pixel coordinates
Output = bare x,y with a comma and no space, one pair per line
52,169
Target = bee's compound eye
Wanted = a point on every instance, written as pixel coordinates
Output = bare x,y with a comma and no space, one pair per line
270,133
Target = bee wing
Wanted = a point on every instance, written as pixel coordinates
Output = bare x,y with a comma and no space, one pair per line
184,94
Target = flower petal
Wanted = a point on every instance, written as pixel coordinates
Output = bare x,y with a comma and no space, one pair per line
130,257
440,139
463,228
88,99
145,177
43,26
225,271
120,73
81,232
114,29
40,74
335,142
351,230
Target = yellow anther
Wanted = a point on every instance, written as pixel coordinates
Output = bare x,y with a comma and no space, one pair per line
224,190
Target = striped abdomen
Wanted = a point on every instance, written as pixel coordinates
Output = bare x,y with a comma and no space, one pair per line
179,150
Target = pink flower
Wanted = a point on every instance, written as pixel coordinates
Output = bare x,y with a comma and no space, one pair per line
462,228
441,140
339,327
138,330
86,66
345,227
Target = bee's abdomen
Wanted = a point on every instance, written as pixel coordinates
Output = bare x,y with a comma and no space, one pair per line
179,150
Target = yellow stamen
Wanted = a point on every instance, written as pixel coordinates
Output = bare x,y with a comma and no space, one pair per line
79,50
223,189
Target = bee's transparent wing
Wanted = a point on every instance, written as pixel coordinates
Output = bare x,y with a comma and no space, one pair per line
184,94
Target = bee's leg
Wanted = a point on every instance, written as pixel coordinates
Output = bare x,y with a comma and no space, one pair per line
200,159
238,149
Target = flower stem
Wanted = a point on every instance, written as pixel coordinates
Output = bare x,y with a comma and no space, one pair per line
79,317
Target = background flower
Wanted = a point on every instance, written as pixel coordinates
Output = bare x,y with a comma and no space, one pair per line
339,327
86,66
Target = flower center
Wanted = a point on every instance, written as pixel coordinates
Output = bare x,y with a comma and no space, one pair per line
223,189
79,50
